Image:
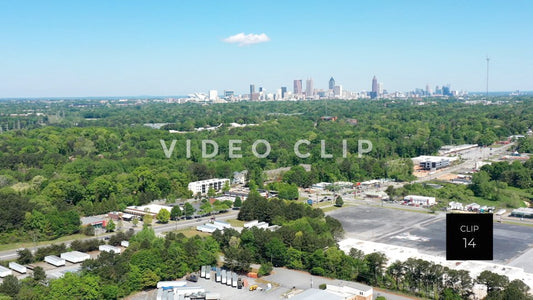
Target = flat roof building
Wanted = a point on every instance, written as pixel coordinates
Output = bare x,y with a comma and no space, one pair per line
150,209
75,256
419,200
203,186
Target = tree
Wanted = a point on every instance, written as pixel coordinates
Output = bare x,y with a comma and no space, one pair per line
265,269
110,227
135,221
211,192
206,208
339,202
147,220
176,212
10,286
189,209
39,274
25,256
226,187
163,216
238,202
390,192
493,281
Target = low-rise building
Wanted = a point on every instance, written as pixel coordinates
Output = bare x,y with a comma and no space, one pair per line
203,186
150,209
75,256
455,205
419,200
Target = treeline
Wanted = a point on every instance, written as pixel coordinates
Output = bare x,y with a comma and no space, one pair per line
92,166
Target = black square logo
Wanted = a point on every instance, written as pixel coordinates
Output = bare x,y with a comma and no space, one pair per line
469,236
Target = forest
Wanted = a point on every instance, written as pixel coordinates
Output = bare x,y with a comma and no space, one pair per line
62,159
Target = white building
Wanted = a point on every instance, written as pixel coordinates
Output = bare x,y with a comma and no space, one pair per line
203,186
213,95
455,205
17,267
149,209
5,272
337,91
75,256
54,260
109,248
419,200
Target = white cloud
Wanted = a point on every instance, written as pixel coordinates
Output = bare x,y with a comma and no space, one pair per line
247,39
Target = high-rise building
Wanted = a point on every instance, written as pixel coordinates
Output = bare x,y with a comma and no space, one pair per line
283,91
229,94
446,90
375,88
309,87
252,90
297,86
331,83
428,90
337,91
213,95
260,89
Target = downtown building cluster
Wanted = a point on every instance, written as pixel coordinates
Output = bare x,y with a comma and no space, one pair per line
309,92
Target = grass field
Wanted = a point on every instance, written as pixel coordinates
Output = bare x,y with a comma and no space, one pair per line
62,239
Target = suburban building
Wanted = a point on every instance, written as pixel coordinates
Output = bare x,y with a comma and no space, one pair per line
435,163
150,209
455,205
203,186
419,200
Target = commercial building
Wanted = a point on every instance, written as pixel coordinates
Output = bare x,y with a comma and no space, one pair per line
434,163
455,205
297,87
375,88
331,83
309,90
522,212
419,200
150,209
203,186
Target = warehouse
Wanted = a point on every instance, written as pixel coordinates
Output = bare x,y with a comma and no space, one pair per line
17,267
150,209
5,271
203,186
109,248
75,256
419,200
54,260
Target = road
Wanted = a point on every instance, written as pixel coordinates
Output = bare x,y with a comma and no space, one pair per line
158,228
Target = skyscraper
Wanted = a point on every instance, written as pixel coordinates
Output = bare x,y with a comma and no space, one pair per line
331,83
252,90
309,87
283,91
297,86
375,88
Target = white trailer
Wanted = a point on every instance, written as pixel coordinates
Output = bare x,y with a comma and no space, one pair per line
224,278
125,244
5,272
19,268
54,260
229,277
208,272
234,280
202,272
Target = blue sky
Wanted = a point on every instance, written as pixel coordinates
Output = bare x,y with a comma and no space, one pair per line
113,48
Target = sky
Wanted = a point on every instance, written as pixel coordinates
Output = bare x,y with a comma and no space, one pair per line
130,48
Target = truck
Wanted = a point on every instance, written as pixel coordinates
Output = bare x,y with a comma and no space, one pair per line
192,277
5,272
239,283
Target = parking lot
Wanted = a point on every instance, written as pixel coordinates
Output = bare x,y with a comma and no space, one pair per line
427,232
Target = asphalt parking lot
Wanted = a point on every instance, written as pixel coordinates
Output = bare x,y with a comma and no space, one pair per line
427,232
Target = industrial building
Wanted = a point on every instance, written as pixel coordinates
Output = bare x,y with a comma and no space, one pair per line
54,260
17,267
332,292
419,200
75,256
203,186
109,248
5,271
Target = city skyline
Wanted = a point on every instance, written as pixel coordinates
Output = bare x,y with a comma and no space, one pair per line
62,49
